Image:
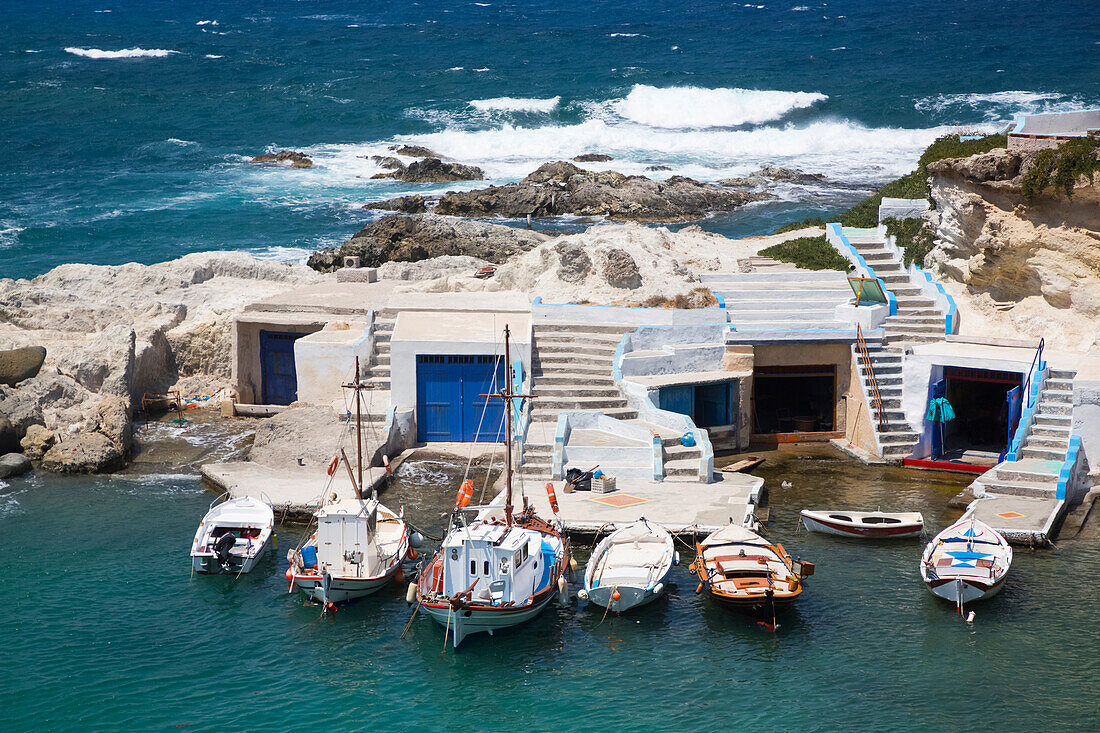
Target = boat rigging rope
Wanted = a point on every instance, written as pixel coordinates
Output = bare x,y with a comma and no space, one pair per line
484,407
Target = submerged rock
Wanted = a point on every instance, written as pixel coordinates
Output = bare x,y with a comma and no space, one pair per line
19,364
14,464
561,188
433,170
386,161
296,159
400,238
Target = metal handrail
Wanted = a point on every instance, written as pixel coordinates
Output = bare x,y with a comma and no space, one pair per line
871,380
1031,370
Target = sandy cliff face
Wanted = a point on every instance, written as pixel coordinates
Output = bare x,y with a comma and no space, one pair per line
1015,270
113,333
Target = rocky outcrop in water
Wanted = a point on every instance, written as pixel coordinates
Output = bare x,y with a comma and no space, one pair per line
296,159
561,188
415,151
433,170
414,204
14,464
112,334
388,162
773,174
399,238
592,158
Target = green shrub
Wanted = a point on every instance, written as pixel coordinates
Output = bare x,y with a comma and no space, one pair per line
809,253
1061,167
914,236
910,186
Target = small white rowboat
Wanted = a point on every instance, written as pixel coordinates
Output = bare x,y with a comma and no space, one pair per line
630,567
233,536
872,525
966,562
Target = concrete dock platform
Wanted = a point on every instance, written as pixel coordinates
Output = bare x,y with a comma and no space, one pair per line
1022,520
681,506
293,493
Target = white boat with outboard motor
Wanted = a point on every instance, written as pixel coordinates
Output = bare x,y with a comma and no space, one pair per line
233,536
966,562
630,567
867,525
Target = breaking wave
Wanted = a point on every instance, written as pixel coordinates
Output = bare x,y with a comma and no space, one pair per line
515,104
126,53
697,107
997,106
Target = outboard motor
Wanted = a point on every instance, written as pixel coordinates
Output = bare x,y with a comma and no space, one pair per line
222,548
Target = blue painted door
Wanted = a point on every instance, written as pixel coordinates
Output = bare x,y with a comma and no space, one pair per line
1015,399
449,402
278,378
712,405
679,398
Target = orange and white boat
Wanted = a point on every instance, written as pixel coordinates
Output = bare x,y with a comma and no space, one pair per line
742,571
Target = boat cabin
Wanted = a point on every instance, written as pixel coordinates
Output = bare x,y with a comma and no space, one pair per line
495,563
346,537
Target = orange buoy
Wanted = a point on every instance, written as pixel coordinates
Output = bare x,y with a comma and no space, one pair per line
412,553
615,595
553,497
333,464
465,493
386,463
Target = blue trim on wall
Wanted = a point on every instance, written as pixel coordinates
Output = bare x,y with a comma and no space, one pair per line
720,299
1027,413
1067,467
952,311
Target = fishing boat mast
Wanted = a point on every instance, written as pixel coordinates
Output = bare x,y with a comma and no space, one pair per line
507,394
357,480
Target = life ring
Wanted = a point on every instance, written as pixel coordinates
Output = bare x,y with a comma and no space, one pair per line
465,493
552,496
333,464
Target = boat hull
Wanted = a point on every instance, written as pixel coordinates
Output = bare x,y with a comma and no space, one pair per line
896,532
629,596
207,564
971,590
340,589
761,607
465,621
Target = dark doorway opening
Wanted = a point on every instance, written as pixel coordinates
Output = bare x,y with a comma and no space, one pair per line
794,399
979,399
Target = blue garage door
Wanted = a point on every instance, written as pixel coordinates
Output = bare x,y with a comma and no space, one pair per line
449,405
278,377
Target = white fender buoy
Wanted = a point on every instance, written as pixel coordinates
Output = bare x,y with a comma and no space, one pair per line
582,594
563,590
675,558
970,617
658,588
410,594
573,563
416,539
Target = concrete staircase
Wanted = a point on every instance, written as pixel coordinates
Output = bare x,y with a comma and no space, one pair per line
572,370
779,305
1039,461
378,373
917,319
897,439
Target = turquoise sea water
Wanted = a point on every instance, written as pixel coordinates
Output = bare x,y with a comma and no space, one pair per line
104,630
126,124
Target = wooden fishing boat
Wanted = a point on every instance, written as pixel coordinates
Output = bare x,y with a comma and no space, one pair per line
871,525
234,535
743,571
500,569
630,567
966,562
359,544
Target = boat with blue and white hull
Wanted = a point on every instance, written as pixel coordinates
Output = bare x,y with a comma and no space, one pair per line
630,567
966,562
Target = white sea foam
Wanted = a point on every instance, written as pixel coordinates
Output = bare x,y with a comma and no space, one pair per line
697,107
207,22
456,68
515,104
32,50
998,106
624,35
482,70
799,8
213,56
126,53
292,255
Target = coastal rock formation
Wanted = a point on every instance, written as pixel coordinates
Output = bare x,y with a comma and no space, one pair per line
113,333
432,268
303,431
1026,270
574,263
561,188
415,151
19,364
296,159
621,271
414,204
9,439
592,158
773,174
14,464
411,238
387,161
433,170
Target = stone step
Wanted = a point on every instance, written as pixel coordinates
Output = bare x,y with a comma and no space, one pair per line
1043,454
573,357
908,301
537,461
913,328
598,378
565,337
1057,395
896,452
379,359
913,338
910,319
578,329
1060,374
551,415
581,403
682,468
537,449
378,382
890,415
878,256
577,389
382,347
1059,383
596,369
758,305
899,437
1046,418
1051,442
601,350
1054,408
1018,488
1059,431
1011,475
794,316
